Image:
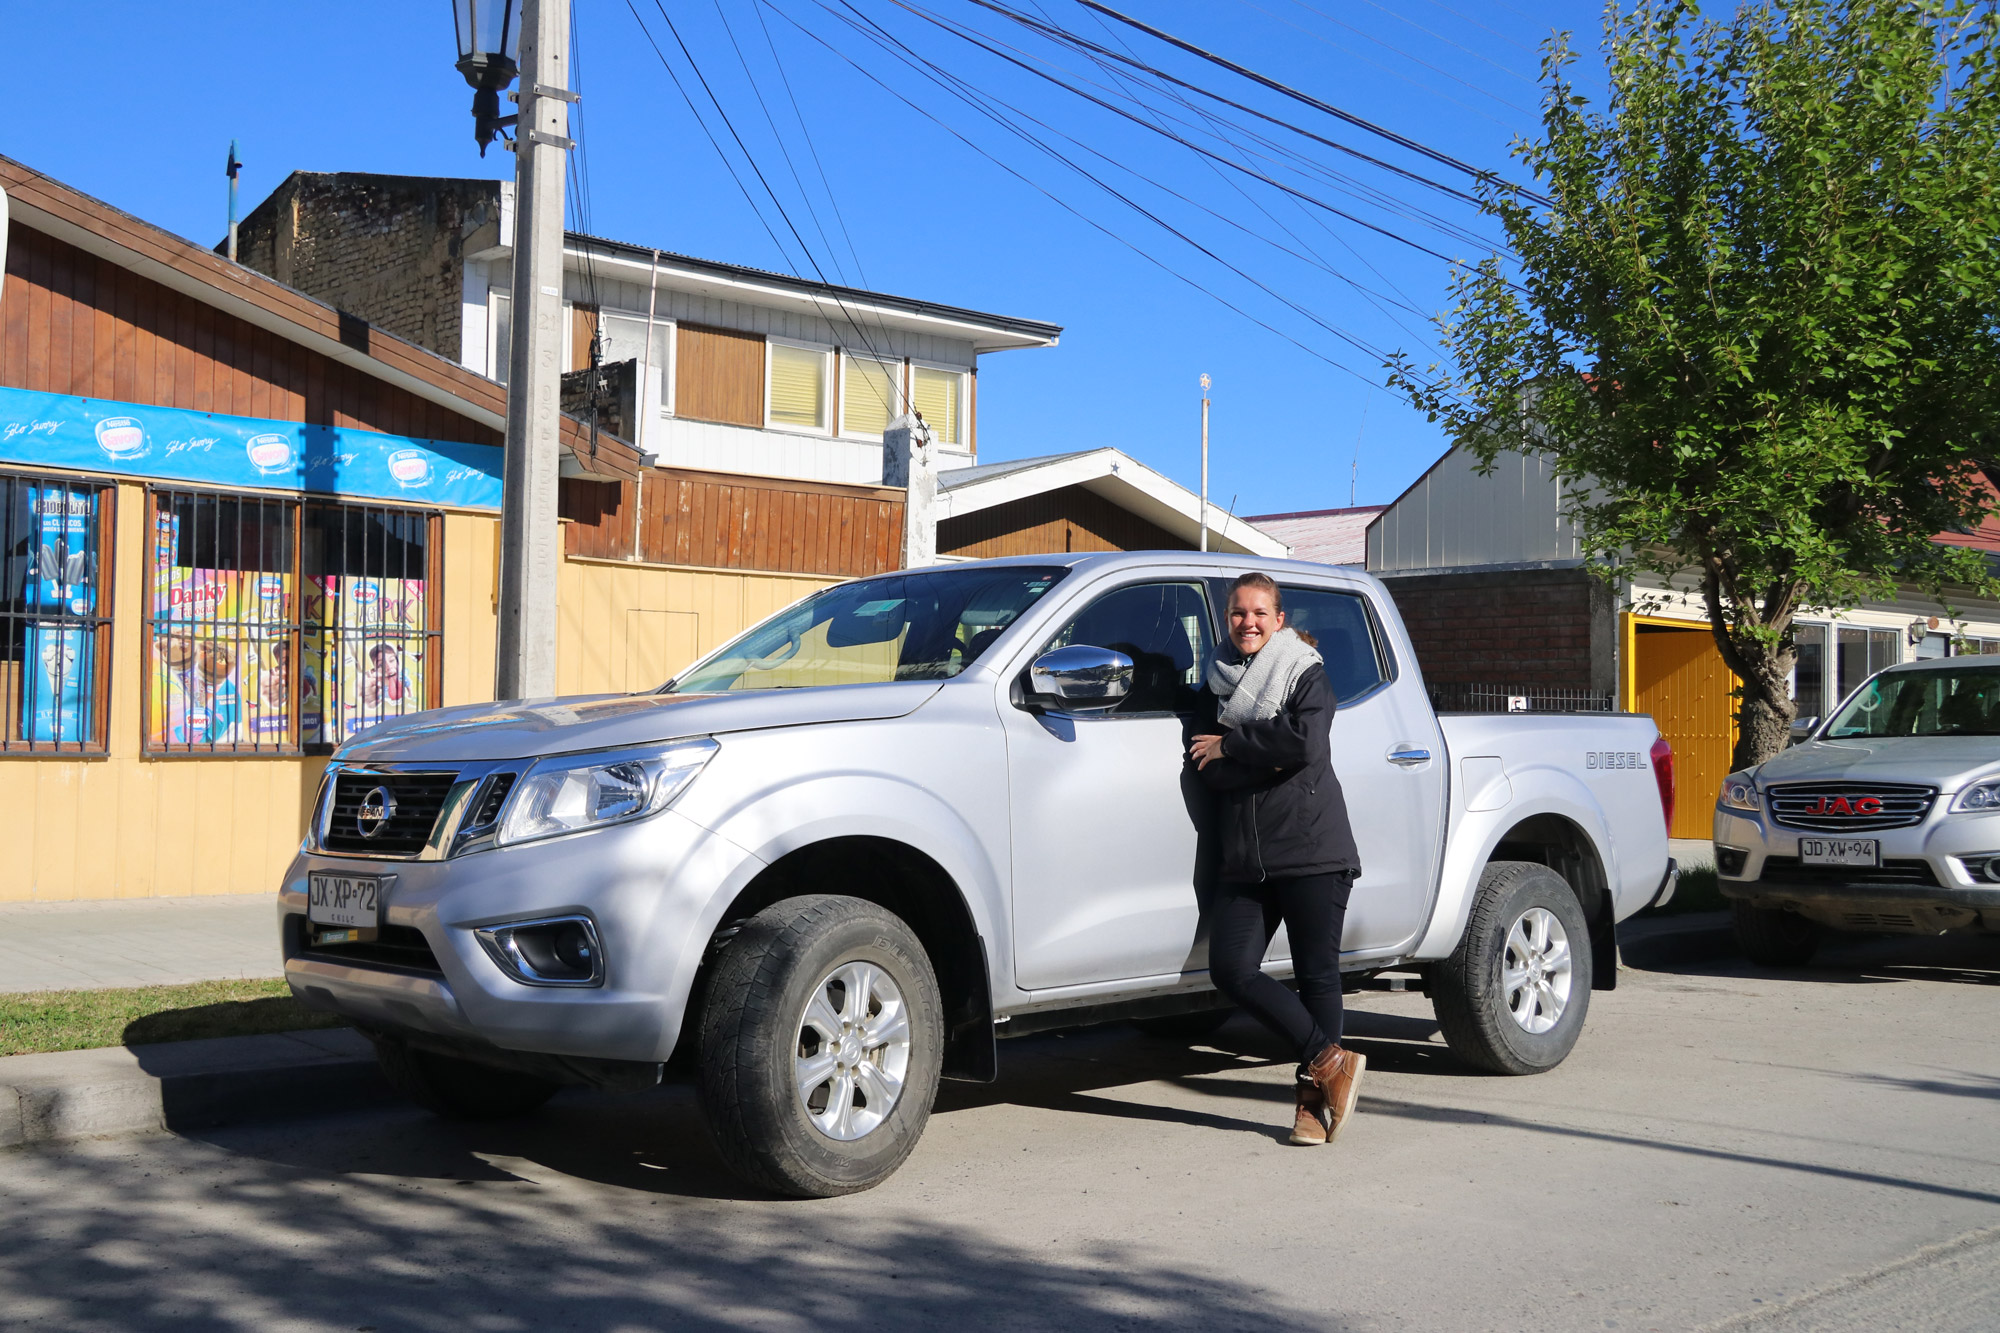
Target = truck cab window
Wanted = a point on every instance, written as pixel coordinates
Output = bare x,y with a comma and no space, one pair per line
1355,663
1165,629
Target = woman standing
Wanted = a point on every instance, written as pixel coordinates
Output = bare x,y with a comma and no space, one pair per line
1287,852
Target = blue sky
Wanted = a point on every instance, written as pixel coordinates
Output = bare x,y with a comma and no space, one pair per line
136,104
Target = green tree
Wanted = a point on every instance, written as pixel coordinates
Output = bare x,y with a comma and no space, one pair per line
1760,311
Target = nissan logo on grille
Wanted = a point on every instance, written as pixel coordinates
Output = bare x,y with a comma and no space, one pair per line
378,807
1849,807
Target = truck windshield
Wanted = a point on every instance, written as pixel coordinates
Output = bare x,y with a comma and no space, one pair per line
1950,702
928,626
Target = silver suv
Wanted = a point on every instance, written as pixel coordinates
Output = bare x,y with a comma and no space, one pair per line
1886,819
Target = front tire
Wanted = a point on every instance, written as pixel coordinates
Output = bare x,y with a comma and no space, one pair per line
1512,997
822,1040
459,1089
1773,937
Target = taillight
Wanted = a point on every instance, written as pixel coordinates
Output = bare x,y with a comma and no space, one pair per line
1663,773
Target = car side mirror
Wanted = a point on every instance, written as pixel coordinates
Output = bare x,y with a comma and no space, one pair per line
1802,727
1086,679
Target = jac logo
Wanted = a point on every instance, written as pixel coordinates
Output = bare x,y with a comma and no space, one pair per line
1845,805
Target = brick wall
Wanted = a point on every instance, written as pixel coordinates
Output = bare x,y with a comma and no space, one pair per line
1517,627
387,248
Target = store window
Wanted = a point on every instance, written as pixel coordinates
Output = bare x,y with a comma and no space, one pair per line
276,625
1809,671
798,387
871,395
939,397
1860,653
55,614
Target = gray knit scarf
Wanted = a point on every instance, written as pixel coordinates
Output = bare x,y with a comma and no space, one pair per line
1258,686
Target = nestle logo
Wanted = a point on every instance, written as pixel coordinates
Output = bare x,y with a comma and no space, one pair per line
1614,759
1854,806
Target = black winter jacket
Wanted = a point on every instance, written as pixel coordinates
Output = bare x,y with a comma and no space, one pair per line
1279,808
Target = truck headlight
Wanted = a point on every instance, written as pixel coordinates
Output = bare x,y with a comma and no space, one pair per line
1982,798
573,792
1740,793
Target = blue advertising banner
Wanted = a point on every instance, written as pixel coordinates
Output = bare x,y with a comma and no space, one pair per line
58,430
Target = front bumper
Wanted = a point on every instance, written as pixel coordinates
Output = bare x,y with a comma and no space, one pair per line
1923,885
650,887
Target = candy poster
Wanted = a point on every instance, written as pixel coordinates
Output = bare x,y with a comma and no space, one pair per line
58,678
220,669
371,660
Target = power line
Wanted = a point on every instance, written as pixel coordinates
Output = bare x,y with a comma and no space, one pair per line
1402,140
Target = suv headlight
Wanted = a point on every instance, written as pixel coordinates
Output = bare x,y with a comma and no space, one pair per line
1739,792
573,792
1982,798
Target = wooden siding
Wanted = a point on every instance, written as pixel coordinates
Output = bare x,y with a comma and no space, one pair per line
1070,519
624,627
719,376
721,521
73,323
582,328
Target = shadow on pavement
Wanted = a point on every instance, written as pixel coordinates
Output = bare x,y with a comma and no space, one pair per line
1843,959
397,1221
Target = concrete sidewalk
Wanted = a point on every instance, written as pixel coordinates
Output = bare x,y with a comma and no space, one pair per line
137,942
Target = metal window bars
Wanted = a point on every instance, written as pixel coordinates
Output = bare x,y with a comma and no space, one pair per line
55,613
277,626
1481,698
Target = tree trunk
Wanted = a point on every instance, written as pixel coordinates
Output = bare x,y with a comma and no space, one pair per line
1765,710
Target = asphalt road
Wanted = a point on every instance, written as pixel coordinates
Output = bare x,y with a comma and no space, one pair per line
1775,1154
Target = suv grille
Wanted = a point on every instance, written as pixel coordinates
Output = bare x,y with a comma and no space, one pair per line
1850,807
490,804
417,798
1897,874
399,946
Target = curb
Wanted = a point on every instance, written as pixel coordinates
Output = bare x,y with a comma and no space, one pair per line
1673,941
185,1084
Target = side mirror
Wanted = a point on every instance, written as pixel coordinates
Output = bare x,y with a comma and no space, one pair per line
1086,679
1802,727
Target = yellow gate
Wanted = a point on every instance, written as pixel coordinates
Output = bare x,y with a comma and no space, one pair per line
1676,674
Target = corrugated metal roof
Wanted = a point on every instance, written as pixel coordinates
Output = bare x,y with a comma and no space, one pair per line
1324,536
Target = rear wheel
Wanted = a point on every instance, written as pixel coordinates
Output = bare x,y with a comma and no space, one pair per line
460,1089
822,1040
1773,937
1512,997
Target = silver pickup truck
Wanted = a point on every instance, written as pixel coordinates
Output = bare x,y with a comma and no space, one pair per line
1885,819
837,858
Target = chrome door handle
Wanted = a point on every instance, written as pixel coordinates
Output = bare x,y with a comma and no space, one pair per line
1409,755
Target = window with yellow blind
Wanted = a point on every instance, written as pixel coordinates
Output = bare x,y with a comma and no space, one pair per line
797,398
939,397
871,394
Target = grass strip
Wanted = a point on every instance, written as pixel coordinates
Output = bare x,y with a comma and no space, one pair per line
75,1020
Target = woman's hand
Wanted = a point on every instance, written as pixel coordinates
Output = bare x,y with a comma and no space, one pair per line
1204,748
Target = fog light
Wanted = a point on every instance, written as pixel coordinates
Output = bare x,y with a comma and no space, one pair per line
549,951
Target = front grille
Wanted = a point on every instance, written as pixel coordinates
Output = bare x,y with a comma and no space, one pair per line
1880,921
419,797
1901,874
491,802
401,947
1849,807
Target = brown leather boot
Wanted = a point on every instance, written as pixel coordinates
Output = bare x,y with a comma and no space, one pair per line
1312,1124
1337,1074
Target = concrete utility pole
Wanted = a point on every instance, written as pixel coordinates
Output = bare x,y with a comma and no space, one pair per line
525,667
1204,460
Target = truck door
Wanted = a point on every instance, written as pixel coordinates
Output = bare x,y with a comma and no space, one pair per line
1389,756
1105,821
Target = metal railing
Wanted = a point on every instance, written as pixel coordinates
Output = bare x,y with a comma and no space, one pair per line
1470,698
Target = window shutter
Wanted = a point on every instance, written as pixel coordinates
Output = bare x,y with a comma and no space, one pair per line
937,399
798,387
870,394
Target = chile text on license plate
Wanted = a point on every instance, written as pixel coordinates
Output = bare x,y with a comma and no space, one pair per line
1840,852
344,900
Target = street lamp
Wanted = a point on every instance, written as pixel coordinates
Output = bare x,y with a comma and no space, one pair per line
489,56
497,40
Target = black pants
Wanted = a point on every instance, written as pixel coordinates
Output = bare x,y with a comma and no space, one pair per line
1241,924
